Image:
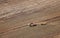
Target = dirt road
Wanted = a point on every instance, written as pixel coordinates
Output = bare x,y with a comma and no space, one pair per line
14,14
